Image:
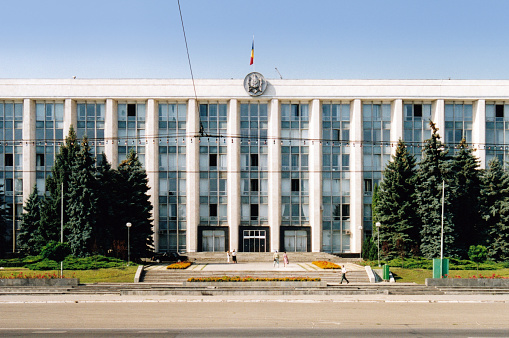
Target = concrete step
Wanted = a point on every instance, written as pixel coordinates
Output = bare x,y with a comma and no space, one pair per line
206,257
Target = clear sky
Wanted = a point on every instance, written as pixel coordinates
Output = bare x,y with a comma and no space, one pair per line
329,39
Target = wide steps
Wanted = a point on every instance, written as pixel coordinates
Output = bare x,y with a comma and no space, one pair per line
294,257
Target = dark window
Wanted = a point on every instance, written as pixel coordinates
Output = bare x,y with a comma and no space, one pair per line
295,184
39,160
213,160
336,135
368,185
345,208
499,111
254,160
254,212
9,160
131,109
213,210
254,184
417,110
9,184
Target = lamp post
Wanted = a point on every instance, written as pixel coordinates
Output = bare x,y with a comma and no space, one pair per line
360,230
378,231
128,225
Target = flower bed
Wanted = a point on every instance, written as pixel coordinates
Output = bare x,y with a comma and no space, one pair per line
326,265
179,265
251,279
252,282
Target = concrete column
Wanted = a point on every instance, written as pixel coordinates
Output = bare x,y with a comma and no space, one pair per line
396,123
70,116
152,163
315,175
356,178
479,132
274,140
438,117
233,175
111,132
192,176
29,178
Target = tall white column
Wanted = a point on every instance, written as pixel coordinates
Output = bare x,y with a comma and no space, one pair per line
192,176
274,180
438,117
70,116
152,163
29,177
233,175
111,132
356,179
396,123
315,175
479,131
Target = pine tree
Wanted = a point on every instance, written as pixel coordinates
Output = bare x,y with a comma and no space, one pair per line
434,169
60,173
30,239
495,210
465,188
136,208
395,208
82,202
3,223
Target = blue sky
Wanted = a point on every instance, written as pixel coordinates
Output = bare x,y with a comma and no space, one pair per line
361,39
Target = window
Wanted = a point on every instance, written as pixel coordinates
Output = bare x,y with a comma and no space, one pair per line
417,110
254,184
254,212
499,112
345,209
9,160
39,160
131,109
295,184
213,160
213,210
254,160
368,185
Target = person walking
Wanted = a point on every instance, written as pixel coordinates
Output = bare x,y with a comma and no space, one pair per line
276,258
343,275
228,256
234,256
285,259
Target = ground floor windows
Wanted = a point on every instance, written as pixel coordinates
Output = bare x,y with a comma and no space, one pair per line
254,240
214,240
295,240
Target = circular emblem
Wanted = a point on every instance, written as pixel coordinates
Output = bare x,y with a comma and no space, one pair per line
255,84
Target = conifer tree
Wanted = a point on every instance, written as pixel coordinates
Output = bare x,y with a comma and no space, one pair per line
82,202
495,210
433,170
465,188
395,208
136,207
3,223
30,239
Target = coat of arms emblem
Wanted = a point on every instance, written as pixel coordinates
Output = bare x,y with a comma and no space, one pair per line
255,84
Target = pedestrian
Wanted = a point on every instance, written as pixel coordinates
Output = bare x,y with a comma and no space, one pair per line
228,256
285,259
343,275
276,259
234,256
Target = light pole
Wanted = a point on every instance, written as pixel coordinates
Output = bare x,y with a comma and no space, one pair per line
378,230
128,225
360,230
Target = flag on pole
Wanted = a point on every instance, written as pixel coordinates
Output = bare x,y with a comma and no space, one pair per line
252,53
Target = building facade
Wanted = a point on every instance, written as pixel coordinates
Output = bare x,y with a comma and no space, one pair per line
290,168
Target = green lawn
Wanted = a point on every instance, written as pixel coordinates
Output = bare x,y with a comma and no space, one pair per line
111,275
419,275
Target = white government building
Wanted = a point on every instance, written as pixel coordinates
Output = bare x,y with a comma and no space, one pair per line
254,164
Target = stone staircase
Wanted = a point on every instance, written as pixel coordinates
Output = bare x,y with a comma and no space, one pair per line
294,257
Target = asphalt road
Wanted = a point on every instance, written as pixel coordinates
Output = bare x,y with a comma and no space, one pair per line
232,319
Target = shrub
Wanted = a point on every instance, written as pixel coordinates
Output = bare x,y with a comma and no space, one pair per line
73,263
326,265
56,251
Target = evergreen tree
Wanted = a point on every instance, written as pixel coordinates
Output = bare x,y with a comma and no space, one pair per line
395,208
465,188
136,207
61,172
495,210
433,170
82,202
30,239
3,223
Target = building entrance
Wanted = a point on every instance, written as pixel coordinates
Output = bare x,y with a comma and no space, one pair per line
296,240
254,240
213,240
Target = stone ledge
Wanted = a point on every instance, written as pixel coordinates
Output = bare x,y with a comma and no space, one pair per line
496,282
39,282
258,284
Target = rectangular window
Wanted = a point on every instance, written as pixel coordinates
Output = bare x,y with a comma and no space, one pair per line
345,210
368,185
9,160
254,184
254,212
213,210
254,160
131,109
39,160
295,184
213,160
499,112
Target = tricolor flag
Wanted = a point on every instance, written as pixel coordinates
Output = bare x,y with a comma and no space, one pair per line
252,53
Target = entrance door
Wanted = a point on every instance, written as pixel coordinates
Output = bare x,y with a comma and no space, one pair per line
296,240
213,240
254,240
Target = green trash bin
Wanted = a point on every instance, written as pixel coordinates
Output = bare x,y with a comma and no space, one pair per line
386,273
437,266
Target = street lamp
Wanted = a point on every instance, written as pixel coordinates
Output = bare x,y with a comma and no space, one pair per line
128,225
378,230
